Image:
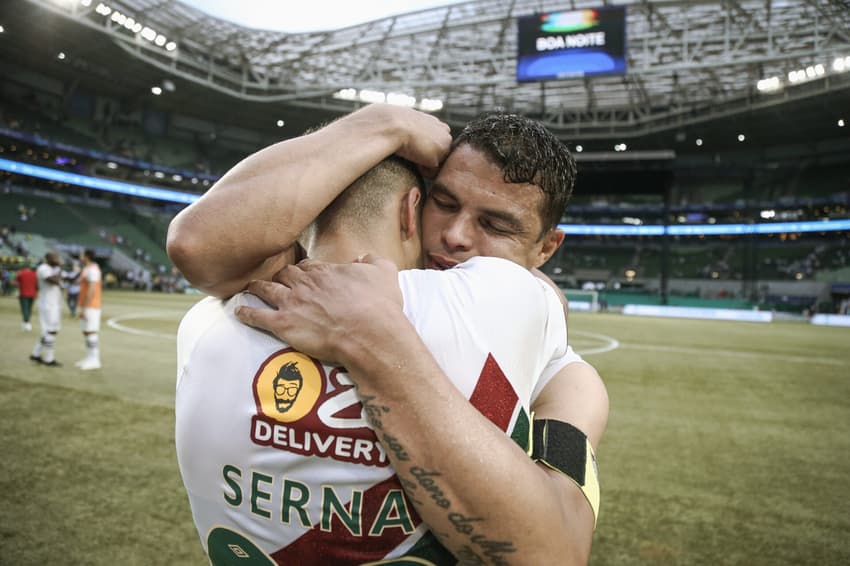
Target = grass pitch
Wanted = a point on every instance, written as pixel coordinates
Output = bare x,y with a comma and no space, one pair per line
728,443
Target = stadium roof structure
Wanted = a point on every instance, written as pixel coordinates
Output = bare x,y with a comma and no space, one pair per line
690,63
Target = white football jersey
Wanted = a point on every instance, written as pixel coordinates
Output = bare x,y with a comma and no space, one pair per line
49,294
277,458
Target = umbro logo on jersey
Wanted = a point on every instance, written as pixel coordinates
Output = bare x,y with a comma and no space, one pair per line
311,409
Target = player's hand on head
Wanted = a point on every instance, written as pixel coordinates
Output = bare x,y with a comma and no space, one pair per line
427,144
425,139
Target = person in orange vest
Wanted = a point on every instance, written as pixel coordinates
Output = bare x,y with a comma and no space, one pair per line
89,304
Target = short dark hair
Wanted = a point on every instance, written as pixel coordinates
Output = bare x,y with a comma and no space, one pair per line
527,153
356,207
89,253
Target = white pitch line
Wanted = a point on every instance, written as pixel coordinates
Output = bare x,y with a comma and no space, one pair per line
612,343
735,353
114,323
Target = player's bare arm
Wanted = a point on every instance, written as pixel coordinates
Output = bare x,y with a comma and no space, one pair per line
247,225
478,491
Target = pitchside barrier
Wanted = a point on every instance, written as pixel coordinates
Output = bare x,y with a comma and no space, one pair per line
581,300
699,312
831,320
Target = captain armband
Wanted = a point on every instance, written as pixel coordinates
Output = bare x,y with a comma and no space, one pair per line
566,449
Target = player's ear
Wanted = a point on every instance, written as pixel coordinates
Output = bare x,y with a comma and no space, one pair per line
410,212
551,242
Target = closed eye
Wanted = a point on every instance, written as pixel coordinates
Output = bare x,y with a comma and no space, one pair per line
496,228
443,203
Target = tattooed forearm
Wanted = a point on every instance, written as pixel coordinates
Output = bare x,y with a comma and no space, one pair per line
414,480
374,411
429,484
468,557
492,549
390,442
462,524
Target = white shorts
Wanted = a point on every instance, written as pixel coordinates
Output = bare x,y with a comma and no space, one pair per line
91,322
50,317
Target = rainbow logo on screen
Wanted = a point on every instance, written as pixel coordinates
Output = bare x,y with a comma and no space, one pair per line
565,22
577,43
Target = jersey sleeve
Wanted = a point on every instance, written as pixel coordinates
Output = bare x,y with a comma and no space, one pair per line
554,366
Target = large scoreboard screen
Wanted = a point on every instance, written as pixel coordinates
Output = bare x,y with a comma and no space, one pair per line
577,43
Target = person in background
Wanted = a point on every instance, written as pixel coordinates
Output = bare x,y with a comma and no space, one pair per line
72,279
27,284
89,303
49,276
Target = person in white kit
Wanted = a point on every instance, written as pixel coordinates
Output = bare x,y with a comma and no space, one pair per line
274,448
500,191
49,275
90,306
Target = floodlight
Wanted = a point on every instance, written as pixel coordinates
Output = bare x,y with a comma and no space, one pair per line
372,96
431,104
400,99
346,94
769,84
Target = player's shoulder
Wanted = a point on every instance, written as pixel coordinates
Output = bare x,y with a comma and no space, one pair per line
493,266
203,310
498,277
195,323
210,310
491,273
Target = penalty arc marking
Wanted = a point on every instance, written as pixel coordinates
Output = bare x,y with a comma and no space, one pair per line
609,343
115,322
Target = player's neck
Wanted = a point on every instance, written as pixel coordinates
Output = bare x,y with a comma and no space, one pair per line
345,249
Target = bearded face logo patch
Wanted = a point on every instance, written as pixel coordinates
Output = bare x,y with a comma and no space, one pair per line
288,386
307,408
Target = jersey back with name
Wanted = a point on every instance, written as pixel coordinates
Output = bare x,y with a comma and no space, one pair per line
277,458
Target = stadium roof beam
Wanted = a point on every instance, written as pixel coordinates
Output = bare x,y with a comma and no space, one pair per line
465,53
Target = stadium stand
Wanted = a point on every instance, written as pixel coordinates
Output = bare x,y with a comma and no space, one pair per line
684,168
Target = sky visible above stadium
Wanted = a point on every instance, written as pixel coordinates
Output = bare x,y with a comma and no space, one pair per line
315,15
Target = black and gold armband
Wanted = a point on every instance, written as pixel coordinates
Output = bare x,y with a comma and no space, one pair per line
566,449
